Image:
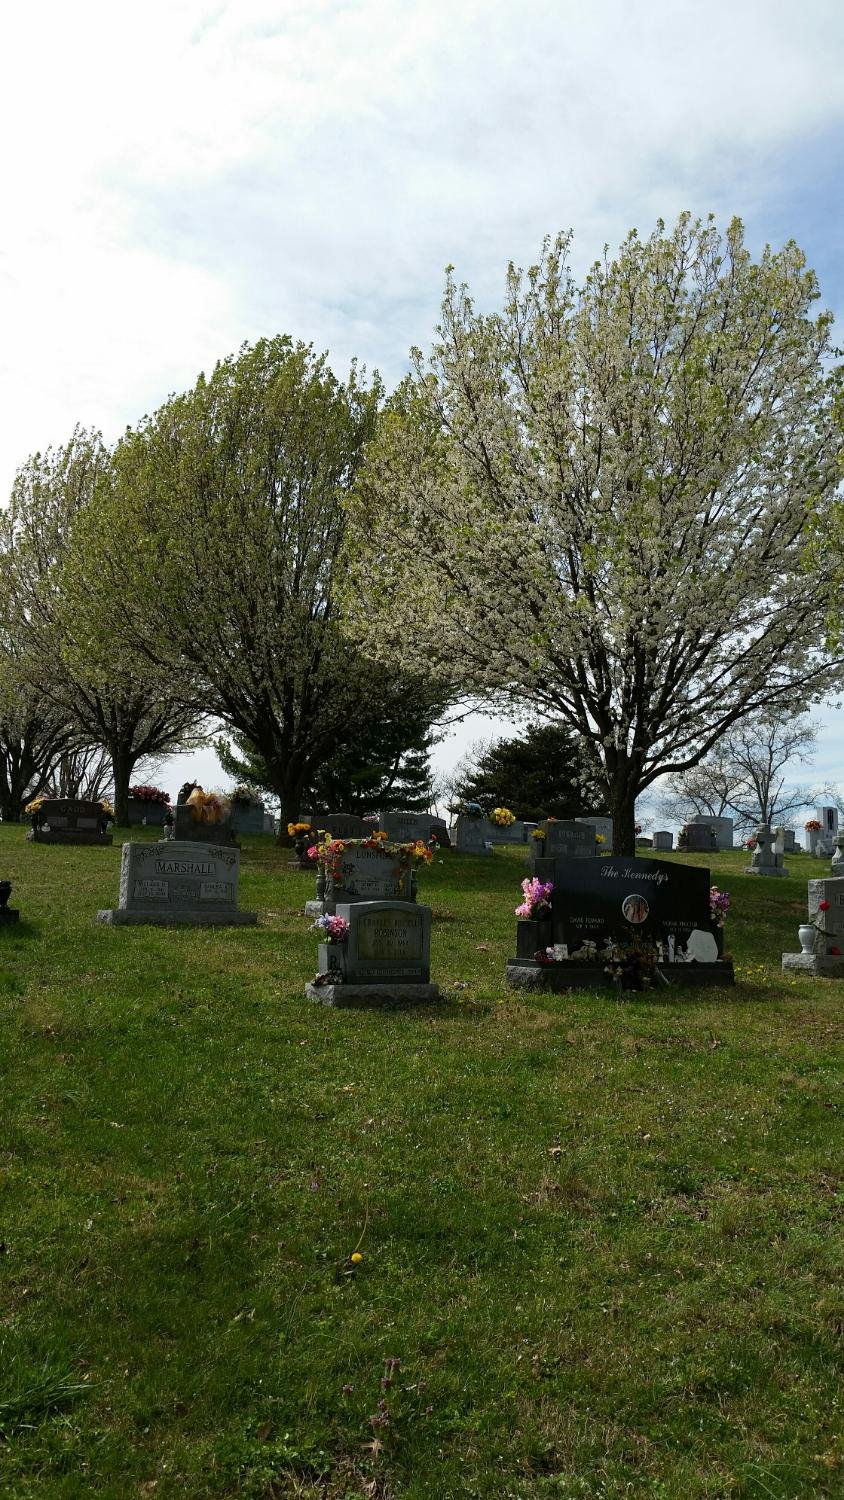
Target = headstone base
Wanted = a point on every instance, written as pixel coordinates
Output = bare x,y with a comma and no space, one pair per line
117,917
824,965
385,996
526,974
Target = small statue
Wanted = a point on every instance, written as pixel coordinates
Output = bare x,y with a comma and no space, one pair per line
185,792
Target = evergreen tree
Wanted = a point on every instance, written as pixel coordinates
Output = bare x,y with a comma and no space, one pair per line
539,774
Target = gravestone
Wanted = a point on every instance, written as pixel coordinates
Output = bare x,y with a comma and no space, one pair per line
767,857
721,827
69,820
700,838
247,817
144,813
340,825
568,840
407,827
269,824
365,874
790,844
838,856
822,937
189,829
507,833
826,836
178,884
644,841
601,825
473,835
385,959
663,840
616,901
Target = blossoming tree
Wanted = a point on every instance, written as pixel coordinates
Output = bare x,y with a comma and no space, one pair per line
610,486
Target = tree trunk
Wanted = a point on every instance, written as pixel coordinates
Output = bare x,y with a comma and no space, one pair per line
290,798
623,813
122,766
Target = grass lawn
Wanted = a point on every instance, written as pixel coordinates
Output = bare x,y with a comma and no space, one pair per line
598,1236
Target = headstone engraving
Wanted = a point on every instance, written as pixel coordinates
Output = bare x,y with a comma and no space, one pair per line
568,840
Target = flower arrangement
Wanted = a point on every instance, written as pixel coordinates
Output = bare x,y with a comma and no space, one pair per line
207,807
149,794
632,967
599,838
35,805
719,905
503,817
537,899
335,929
751,842
296,830
471,809
329,852
538,833
812,825
107,807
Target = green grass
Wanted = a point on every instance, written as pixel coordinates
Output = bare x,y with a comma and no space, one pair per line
598,1235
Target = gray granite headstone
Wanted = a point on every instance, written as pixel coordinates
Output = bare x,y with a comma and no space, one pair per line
663,840
767,858
700,838
386,958
406,827
175,883
824,931
568,840
473,835
721,827
365,875
601,825
341,825
69,820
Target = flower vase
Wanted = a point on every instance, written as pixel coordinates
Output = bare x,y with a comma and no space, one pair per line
807,933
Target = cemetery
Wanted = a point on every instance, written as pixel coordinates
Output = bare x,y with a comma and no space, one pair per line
226,1134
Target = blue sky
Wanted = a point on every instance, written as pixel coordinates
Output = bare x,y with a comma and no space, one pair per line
185,175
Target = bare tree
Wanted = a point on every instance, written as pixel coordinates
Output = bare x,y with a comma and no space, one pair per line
745,777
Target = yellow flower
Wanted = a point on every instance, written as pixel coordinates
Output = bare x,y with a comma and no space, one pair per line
356,1258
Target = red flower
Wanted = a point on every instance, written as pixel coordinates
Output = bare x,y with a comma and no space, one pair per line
823,906
835,952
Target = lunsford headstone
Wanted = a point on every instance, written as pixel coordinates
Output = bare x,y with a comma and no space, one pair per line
178,884
822,936
364,874
384,960
620,900
69,820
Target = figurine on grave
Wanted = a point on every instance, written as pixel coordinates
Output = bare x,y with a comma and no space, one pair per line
767,857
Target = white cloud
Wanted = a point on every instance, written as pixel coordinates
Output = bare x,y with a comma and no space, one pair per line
181,175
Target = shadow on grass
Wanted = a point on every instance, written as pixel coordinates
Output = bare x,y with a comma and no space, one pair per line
20,929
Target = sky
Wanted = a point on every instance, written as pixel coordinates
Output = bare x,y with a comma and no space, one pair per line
182,176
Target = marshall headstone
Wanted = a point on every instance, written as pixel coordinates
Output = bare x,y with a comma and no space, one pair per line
178,884
620,900
385,960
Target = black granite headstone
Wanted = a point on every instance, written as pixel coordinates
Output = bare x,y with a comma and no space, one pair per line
622,897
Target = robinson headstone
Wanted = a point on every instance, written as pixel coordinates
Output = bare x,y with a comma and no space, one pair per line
384,960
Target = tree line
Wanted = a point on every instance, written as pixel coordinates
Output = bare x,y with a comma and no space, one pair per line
596,506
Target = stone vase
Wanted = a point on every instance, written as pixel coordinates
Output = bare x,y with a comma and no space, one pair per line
807,935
